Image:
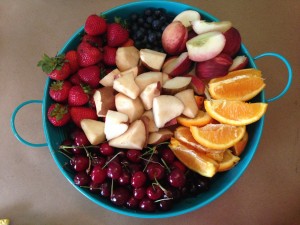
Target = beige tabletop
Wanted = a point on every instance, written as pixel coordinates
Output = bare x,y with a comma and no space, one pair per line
32,189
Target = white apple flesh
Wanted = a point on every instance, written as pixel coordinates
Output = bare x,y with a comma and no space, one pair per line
176,85
104,100
149,93
151,59
160,136
126,85
178,66
202,26
205,46
127,57
144,79
166,108
108,79
151,124
190,106
94,130
133,138
116,123
187,16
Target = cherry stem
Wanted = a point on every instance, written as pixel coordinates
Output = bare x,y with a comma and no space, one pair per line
111,160
76,146
165,164
64,154
90,159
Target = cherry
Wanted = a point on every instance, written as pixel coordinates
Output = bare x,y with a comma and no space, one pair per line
167,155
155,171
80,138
120,196
165,205
82,179
176,178
79,163
114,170
179,165
134,155
138,179
78,151
106,149
98,160
125,178
135,167
154,192
105,189
132,203
94,187
147,205
98,174
139,192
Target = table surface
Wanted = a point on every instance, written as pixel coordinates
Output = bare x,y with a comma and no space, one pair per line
32,189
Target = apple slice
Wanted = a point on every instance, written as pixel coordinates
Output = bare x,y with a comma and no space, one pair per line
166,108
238,63
174,38
94,130
149,93
144,79
202,26
160,136
133,138
127,57
151,59
205,46
165,77
133,108
196,84
109,78
176,85
116,123
190,106
187,16
135,70
178,65
104,100
151,124
126,85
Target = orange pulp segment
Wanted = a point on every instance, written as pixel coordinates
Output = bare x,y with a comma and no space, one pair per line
202,118
228,162
194,160
240,85
218,136
236,113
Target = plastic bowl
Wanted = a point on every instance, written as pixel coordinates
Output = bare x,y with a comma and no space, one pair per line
220,183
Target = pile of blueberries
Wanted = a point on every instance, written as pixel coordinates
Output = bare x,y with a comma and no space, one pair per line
146,28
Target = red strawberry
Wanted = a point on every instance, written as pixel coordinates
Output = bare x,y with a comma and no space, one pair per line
109,56
56,67
72,58
59,90
96,41
78,95
58,114
90,75
79,113
88,55
128,43
116,34
95,25
74,79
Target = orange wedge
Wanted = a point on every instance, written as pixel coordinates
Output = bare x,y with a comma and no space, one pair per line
194,160
239,147
218,136
236,113
228,162
184,135
240,85
201,119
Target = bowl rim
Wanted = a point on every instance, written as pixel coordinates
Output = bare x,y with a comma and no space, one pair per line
140,214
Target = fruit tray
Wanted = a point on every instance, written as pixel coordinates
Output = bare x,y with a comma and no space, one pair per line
220,183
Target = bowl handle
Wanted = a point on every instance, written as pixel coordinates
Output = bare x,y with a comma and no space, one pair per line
290,73
13,127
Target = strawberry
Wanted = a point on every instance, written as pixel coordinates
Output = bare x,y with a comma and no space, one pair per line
72,58
79,113
95,25
128,43
116,34
56,67
109,56
90,75
59,90
95,41
74,79
58,114
78,95
88,55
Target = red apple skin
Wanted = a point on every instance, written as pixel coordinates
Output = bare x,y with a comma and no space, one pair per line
197,84
178,66
174,38
215,67
233,42
172,122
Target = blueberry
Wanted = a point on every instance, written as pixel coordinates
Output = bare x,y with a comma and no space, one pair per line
140,20
156,24
133,16
134,27
151,37
148,12
149,19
